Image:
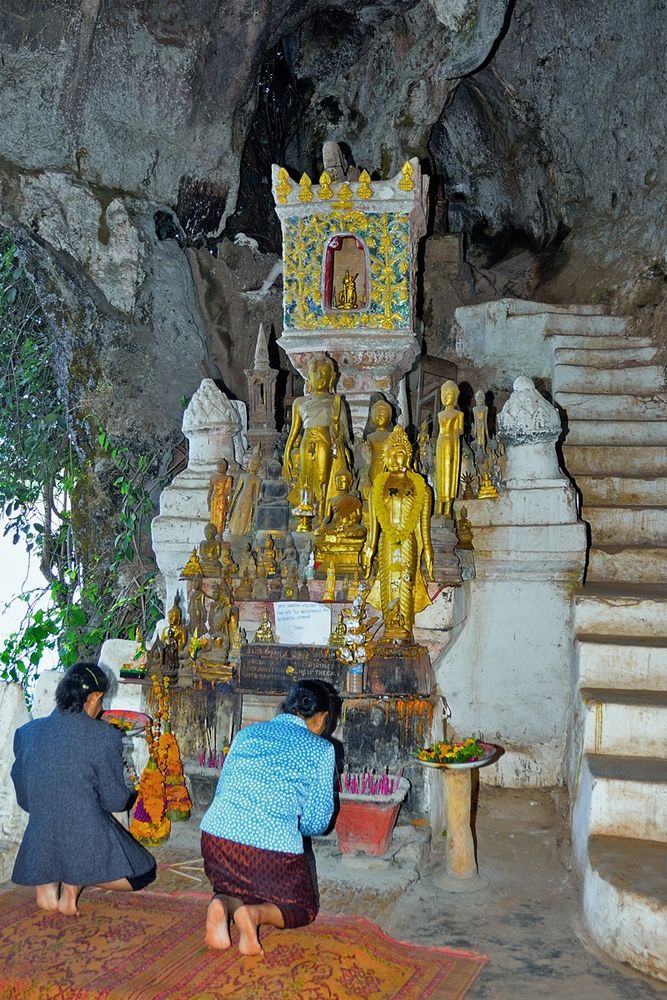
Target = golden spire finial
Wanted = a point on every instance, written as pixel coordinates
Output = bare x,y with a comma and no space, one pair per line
325,191
283,187
364,190
305,194
407,182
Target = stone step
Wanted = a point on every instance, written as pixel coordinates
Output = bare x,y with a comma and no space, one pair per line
586,378
626,796
605,460
622,662
605,356
626,525
632,563
602,343
621,611
612,406
648,491
625,901
590,325
624,722
611,432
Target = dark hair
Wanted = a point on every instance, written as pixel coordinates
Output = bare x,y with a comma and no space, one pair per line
80,681
306,698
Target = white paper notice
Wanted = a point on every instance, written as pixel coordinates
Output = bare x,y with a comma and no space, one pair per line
300,623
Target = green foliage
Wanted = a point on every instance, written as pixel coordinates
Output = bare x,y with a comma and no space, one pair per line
40,475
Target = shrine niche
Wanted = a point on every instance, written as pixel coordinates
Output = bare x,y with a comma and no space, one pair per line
345,273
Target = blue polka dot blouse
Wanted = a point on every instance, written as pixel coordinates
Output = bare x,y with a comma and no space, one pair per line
276,786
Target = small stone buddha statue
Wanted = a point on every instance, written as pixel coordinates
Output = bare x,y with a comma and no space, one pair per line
197,610
209,552
244,590
464,529
218,616
273,508
260,589
227,564
247,564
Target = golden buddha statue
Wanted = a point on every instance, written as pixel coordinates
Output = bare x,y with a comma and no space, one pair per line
244,590
380,416
337,637
193,567
244,500
487,489
347,297
264,631
330,587
228,567
448,449
314,417
219,496
175,626
209,552
268,557
341,538
399,537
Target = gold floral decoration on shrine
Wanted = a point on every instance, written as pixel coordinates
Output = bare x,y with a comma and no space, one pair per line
364,189
325,193
305,184
407,181
387,240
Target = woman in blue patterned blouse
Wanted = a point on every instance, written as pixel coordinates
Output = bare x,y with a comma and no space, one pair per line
276,787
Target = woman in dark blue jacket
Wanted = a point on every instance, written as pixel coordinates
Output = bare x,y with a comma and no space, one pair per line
69,776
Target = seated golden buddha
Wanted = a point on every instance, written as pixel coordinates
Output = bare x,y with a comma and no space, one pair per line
341,538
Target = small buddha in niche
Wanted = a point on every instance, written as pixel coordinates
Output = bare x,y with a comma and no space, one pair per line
347,297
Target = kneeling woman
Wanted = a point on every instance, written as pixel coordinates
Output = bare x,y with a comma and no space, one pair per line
69,776
276,787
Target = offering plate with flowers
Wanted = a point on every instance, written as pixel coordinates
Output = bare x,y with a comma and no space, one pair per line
130,723
463,755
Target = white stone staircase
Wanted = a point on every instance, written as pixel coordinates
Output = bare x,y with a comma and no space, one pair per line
611,388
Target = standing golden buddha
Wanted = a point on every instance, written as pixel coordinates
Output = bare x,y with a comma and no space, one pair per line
399,536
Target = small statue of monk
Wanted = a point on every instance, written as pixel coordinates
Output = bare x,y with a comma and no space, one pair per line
448,449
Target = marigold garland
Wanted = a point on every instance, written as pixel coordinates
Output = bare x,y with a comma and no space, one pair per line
150,823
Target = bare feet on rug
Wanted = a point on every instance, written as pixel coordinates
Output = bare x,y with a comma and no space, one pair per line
217,925
247,920
69,895
47,896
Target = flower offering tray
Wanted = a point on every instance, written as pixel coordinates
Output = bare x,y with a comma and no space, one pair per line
130,723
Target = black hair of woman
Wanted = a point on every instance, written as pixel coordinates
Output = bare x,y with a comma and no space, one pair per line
307,698
80,681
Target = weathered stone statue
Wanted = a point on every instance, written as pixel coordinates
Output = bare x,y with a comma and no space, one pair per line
244,500
197,611
247,564
209,552
399,537
335,163
424,450
448,449
219,496
272,512
480,426
218,616
313,418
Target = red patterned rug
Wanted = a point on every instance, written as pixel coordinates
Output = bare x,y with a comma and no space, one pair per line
141,947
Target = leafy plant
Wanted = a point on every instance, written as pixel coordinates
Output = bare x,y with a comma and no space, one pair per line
87,596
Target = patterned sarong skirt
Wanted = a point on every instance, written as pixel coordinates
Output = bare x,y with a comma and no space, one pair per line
258,876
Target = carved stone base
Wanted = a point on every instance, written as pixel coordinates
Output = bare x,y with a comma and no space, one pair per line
446,566
398,668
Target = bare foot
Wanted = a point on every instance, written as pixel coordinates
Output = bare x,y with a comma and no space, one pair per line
47,896
247,920
217,925
69,895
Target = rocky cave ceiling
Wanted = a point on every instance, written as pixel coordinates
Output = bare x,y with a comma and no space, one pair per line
136,143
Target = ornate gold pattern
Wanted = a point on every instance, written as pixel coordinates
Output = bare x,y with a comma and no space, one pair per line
305,184
344,197
283,187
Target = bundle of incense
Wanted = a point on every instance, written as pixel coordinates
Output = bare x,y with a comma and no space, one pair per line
369,783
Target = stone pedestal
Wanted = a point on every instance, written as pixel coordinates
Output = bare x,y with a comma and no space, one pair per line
446,565
399,669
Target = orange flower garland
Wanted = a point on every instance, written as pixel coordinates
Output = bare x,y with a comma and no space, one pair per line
171,765
150,823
